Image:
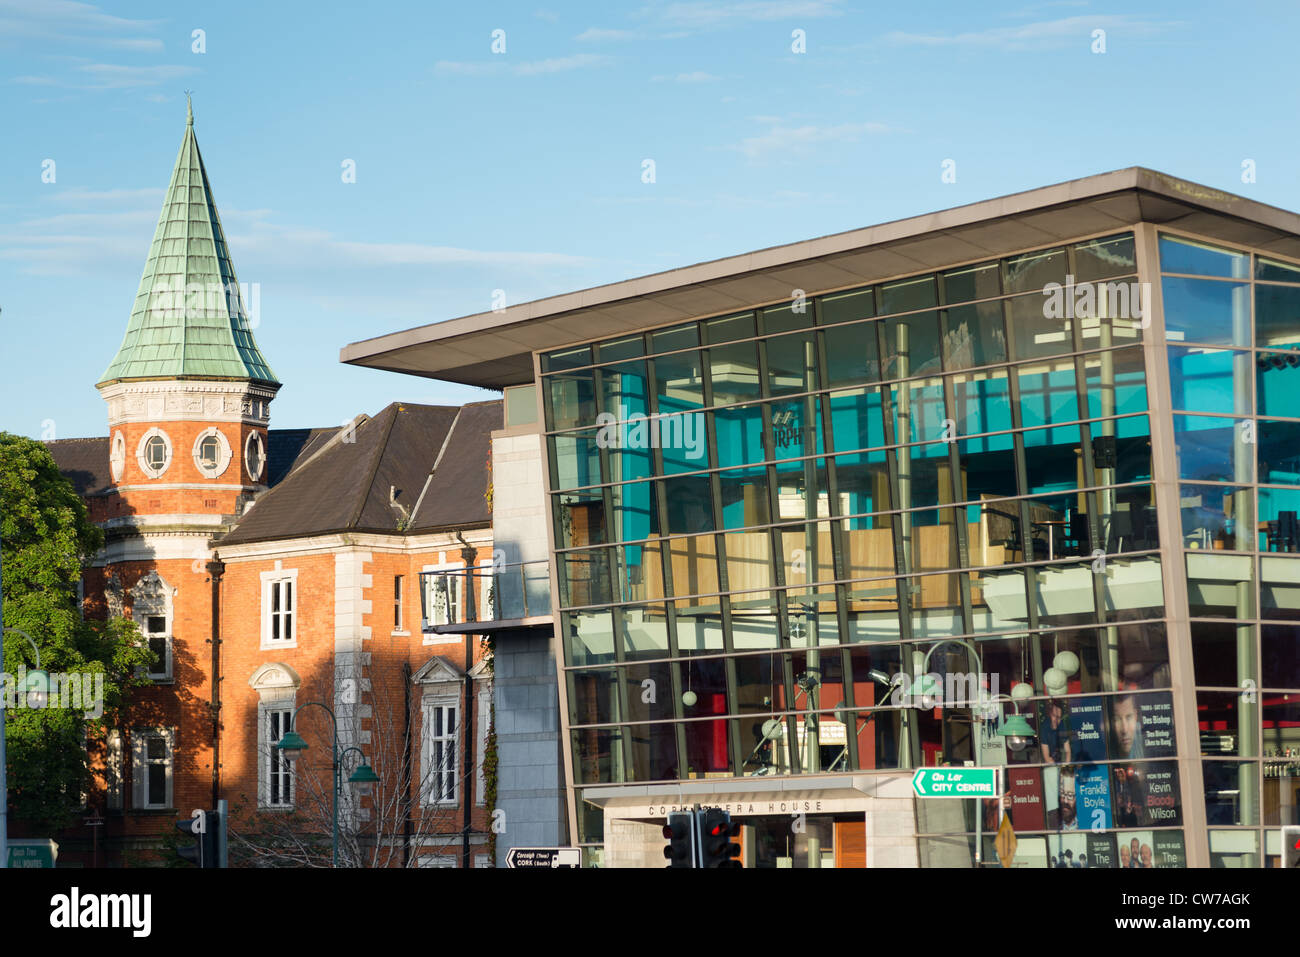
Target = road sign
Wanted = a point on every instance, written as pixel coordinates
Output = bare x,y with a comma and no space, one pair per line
957,782
519,857
1005,842
32,853
1291,846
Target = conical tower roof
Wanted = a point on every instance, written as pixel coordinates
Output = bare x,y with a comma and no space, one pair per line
189,319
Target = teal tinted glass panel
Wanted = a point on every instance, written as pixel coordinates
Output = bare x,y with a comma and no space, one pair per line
636,516
911,346
1211,449
573,400
931,476
739,435
690,504
730,328
1274,501
629,347
847,306
802,490
1275,270
970,282
918,411
1038,330
983,402
1048,392
856,418
744,497
733,370
623,389
1052,459
791,364
852,354
988,467
1215,515
567,359
1277,383
1203,310
629,447
974,335
580,519
796,428
788,317
1278,446
908,295
679,381
1209,380
863,481
1033,271
1201,259
684,440
678,337
575,460
1116,382
1277,316
1103,258
1133,447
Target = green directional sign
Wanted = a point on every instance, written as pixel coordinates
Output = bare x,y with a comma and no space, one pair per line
957,782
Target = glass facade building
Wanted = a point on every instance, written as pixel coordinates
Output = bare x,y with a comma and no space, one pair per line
809,546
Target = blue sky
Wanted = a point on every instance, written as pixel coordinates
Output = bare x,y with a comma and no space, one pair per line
522,170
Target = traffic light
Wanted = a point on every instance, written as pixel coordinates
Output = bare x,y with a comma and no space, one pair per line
717,831
1291,846
203,825
680,832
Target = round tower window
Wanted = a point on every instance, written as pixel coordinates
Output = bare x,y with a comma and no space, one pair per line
154,453
253,456
211,453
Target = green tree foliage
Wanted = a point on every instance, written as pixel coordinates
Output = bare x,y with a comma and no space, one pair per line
46,537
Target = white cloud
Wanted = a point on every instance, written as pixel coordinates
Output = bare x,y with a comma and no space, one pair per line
499,65
1044,34
110,76
598,35
71,22
699,76
784,138
701,14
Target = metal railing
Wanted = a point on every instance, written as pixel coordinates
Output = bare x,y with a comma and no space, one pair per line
505,591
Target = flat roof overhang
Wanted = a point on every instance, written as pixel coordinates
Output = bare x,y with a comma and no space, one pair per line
494,349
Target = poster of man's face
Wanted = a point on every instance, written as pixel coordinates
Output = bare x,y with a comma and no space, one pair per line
1126,727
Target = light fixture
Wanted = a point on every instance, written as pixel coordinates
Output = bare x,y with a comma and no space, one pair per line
364,778
292,745
689,698
1022,691
36,687
1054,681
1017,732
1066,662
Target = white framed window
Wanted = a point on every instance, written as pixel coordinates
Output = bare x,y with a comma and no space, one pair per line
212,452
117,456
398,582
280,609
114,769
154,452
441,753
483,691
279,769
444,594
482,860
439,860
151,610
254,455
158,635
151,767
276,684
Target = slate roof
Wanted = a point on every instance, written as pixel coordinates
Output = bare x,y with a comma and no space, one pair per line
345,486
84,462
174,334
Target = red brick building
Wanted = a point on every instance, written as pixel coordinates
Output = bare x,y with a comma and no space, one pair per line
270,569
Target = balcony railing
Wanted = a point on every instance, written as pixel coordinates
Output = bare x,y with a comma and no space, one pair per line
497,592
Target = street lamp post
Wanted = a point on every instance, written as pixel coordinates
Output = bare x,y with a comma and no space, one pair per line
292,745
1016,730
35,687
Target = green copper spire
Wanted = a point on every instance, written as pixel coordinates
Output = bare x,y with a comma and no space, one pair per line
189,319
